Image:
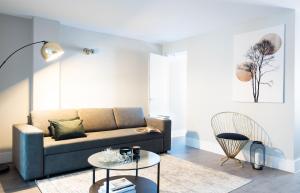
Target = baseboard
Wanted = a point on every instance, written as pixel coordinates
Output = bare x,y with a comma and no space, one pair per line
271,161
5,157
297,165
204,145
180,133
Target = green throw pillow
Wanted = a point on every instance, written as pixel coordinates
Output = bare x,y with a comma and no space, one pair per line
67,129
51,127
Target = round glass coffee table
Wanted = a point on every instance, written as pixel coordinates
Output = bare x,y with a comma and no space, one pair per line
143,185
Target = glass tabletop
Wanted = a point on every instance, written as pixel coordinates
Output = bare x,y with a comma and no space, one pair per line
145,160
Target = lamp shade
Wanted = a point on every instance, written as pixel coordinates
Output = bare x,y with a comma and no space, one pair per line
51,51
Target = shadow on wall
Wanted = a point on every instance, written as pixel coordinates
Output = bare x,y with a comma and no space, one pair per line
273,155
192,138
15,76
258,133
15,69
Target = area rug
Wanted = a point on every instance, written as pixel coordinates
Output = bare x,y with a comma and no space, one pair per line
177,176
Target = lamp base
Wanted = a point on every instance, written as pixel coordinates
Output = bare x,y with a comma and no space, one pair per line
4,168
257,167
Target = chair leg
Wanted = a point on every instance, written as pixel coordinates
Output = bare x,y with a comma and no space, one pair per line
223,158
223,162
239,162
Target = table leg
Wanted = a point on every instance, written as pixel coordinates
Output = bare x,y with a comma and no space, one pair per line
136,170
94,175
158,176
107,181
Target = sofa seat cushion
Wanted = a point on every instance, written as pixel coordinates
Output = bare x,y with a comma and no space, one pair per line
97,139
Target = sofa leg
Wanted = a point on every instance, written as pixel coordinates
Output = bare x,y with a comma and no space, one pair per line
4,168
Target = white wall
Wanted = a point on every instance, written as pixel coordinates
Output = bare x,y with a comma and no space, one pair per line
14,78
209,90
117,75
297,90
46,75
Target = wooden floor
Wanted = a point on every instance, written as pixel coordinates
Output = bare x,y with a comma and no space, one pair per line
266,181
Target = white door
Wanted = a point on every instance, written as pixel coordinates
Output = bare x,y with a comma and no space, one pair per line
159,85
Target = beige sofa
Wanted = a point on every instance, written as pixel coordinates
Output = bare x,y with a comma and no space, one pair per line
36,154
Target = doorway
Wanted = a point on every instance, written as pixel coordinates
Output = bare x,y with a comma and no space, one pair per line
167,89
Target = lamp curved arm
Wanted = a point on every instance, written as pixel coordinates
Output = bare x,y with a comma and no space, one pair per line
2,64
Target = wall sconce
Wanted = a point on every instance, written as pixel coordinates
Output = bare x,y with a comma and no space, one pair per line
88,51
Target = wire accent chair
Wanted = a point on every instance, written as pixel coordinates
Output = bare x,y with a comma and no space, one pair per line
232,131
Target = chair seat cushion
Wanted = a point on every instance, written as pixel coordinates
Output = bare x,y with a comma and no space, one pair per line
232,136
97,140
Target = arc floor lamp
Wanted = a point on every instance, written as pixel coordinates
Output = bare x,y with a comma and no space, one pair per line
49,51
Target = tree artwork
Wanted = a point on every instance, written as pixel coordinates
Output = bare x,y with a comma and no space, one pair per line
259,64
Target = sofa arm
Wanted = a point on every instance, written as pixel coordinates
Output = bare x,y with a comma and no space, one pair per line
28,151
164,125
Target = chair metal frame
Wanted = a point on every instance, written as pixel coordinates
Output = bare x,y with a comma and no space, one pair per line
232,122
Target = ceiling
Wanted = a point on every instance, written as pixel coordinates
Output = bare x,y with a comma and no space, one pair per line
155,21
292,4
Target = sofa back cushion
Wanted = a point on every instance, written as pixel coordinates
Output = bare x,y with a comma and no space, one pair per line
97,119
129,117
40,119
